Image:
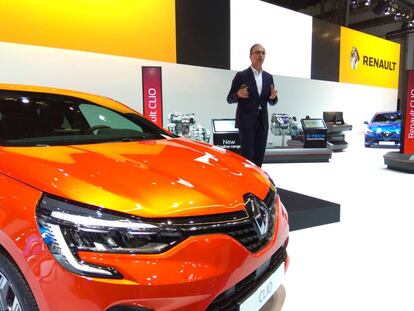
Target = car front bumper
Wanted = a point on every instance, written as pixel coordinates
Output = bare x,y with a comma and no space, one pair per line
189,276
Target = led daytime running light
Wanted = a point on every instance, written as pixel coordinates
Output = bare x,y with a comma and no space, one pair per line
96,222
69,227
71,260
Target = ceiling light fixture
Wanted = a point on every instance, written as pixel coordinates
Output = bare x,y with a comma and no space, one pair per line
354,4
398,16
380,7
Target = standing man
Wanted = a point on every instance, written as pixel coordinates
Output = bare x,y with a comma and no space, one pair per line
252,89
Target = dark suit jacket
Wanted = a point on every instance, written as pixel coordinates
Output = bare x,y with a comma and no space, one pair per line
247,108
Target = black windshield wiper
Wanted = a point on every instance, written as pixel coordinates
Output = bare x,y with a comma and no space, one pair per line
127,139
141,137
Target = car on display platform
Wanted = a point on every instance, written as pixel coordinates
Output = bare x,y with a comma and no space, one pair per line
101,209
384,130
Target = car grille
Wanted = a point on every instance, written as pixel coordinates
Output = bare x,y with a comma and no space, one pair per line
237,224
231,298
243,231
388,135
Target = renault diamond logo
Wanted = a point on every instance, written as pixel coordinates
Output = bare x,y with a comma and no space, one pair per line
259,214
354,58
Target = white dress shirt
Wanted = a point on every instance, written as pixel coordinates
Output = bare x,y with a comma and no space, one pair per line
258,77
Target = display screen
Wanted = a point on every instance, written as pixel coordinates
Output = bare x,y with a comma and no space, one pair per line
335,117
224,125
313,123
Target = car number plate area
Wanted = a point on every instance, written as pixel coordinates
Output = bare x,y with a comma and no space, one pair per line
256,300
387,143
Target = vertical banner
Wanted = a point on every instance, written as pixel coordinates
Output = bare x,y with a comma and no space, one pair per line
152,93
408,147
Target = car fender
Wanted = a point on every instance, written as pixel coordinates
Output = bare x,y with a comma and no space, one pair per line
19,238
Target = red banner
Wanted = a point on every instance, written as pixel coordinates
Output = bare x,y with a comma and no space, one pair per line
152,93
408,147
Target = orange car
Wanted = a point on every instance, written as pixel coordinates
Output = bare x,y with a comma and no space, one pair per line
100,209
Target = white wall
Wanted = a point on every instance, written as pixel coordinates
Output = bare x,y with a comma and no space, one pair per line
186,88
286,35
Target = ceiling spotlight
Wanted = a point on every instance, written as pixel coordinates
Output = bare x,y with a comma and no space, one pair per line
408,25
398,16
380,7
354,4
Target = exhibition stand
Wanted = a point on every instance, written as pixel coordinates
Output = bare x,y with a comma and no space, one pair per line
311,146
404,160
291,155
399,161
336,126
311,149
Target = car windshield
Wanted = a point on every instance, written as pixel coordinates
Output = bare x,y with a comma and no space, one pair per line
38,119
387,117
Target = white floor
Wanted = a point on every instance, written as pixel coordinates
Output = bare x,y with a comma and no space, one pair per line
366,261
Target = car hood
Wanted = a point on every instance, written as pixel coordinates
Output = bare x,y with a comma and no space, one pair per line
385,126
162,178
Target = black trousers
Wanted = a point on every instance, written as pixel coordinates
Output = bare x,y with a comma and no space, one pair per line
253,142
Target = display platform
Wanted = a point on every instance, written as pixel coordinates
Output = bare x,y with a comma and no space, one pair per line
293,155
399,161
336,137
337,146
336,126
305,211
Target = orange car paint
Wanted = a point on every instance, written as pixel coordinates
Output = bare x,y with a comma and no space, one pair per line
158,178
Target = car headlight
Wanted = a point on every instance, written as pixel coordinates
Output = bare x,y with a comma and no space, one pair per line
398,132
368,130
68,227
379,130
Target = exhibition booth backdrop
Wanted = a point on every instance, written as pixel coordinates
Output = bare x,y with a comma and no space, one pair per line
185,88
317,66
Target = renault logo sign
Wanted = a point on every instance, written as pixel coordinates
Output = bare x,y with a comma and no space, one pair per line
354,58
259,215
368,60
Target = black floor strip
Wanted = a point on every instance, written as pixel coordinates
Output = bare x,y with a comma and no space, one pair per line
305,211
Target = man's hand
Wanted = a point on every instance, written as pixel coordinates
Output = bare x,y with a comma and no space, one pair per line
243,91
273,92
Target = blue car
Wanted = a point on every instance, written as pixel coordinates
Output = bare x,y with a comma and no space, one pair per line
383,130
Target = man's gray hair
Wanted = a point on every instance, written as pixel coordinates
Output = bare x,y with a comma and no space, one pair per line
253,46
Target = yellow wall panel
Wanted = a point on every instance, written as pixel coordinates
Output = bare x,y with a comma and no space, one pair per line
369,60
135,28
